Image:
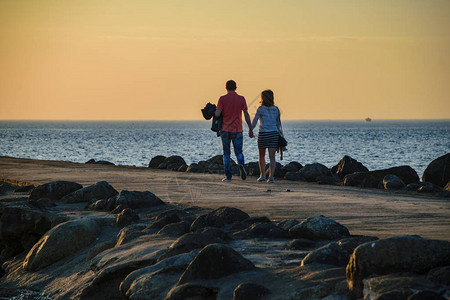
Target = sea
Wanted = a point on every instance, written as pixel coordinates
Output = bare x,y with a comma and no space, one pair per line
377,144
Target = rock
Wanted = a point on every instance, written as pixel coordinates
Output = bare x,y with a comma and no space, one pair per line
397,286
127,234
373,179
42,203
348,165
294,176
192,291
175,229
91,161
215,261
250,291
217,159
392,182
99,248
118,209
134,199
312,171
183,168
262,230
104,162
319,228
288,224
440,275
156,161
195,168
429,188
24,189
163,221
54,190
413,186
99,190
230,215
425,295
438,171
395,254
253,169
248,222
21,228
207,220
126,217
326,179
293,166
300,244
61,241
188,242
98,205
350,244
217,233
172,163
330,254
128,287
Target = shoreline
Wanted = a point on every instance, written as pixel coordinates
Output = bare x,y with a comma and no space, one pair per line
364,211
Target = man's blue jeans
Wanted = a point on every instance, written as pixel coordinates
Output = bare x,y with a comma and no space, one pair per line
237,139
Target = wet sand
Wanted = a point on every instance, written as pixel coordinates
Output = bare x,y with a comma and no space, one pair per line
363,211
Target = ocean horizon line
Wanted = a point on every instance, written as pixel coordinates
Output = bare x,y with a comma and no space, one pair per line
200,120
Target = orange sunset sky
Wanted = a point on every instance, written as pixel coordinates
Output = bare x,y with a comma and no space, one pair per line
163,60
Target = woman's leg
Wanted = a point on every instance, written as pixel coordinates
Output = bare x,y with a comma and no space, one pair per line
272,163
262,161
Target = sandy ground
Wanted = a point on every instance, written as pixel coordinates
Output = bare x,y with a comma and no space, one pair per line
362,211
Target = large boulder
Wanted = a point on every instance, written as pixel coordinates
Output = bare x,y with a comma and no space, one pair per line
395,254
392,182
319,228
311,171
195,168
21,228
97,191
126,217
135,199
374,179
348,165
250,291
192,291
54,190
253,169
293,166
156,161
215,261
61,241
172,163
207,220
438,171
262,230
229,215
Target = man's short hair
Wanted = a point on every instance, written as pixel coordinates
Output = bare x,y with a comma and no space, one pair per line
231,85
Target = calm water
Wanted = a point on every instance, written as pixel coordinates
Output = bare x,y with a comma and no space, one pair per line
377,144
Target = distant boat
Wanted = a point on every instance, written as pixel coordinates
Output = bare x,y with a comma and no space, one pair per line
368,119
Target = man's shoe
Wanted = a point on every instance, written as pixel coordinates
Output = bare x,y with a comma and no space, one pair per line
270,180
243,173
226,179
261,179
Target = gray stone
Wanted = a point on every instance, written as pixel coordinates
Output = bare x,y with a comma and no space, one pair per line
175,229
99,190
374,179
348,165
438,171
135,199
250,291
294,176
288,224
319,228
392,182
162,221
312,171
127,234
195,168
300,244
99,248
440,275
262,230
207,220
54,190
215,261
192,291
230,215
126,217
156,161
61,241
395,254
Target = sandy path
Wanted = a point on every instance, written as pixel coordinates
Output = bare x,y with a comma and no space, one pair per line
363,211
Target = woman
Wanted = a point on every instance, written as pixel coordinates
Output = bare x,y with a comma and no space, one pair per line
269,130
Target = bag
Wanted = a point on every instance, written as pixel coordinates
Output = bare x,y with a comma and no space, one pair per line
282,143
216,124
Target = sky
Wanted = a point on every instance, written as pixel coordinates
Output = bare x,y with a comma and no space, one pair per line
165,59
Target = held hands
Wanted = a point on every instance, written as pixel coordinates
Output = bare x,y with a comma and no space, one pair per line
250,133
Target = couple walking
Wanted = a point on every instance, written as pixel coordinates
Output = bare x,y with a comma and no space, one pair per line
231,106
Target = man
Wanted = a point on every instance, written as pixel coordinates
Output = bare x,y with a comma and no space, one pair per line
231,107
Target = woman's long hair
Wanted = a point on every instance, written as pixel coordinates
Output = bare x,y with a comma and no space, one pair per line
267,98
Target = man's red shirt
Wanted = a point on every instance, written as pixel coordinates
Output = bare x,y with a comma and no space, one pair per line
232,106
